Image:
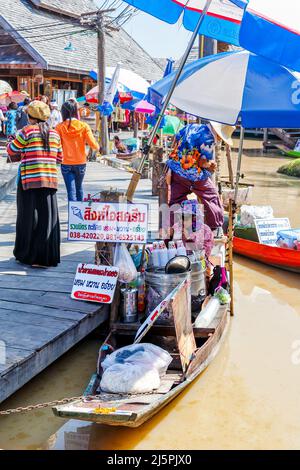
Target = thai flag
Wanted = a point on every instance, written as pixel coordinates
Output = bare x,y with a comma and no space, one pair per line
271,28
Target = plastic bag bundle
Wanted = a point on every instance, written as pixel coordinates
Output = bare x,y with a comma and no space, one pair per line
144,354
248,214
289,239
123,261
130,378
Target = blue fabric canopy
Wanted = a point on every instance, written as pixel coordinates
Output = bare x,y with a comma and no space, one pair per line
235,86
272,29
222,21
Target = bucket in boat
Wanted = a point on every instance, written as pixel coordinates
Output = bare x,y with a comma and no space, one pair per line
198,285
159,285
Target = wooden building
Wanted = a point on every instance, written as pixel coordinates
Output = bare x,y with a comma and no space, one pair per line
45,50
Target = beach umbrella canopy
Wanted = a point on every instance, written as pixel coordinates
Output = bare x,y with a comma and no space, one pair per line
222,21
130,105
12,97
144,107
236,86
271,28
172,125
5,87
128,82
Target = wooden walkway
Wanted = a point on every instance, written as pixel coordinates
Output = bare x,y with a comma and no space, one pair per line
39,321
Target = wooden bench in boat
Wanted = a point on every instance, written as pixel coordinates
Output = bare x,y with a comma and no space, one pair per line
192,351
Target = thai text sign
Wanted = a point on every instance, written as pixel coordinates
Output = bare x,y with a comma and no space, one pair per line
267,229
95,283
108,222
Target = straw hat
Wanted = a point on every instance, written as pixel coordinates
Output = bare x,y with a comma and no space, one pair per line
38,110
224,131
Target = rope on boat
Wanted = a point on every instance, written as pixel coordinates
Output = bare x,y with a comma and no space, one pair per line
25,409
65,401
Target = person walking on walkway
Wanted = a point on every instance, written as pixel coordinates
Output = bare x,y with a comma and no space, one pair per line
11,120
55,116
37,229
22,116
75,135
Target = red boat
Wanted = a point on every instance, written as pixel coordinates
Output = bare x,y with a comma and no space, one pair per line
273,256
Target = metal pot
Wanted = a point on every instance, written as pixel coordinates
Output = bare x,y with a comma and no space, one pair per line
158,286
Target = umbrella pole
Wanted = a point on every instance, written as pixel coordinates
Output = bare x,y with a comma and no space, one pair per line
137,175
230,230
239,164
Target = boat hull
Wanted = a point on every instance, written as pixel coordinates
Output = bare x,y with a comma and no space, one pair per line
85,409
282,258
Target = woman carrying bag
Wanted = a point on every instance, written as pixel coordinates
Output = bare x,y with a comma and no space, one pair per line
37,229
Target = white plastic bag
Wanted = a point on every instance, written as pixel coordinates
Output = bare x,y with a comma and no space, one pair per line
144,354
130,378
250,213
124,262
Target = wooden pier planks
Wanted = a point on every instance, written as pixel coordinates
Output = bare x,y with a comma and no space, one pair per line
39,321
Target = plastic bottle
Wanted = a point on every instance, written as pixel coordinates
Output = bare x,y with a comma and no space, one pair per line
172,250
141,292
155,255
163,254
181,250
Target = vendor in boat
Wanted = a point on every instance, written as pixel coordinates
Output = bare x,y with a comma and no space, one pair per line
120,147
191,166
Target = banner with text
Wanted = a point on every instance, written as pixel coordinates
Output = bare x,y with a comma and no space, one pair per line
108,222
95,283
267,229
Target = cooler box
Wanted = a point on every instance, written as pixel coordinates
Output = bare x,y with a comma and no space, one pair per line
289,238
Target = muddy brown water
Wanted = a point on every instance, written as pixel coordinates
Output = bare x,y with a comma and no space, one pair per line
247,399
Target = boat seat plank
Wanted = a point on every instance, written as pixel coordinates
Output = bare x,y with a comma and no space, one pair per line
160,330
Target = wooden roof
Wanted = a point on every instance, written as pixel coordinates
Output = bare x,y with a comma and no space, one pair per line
44,35
73,8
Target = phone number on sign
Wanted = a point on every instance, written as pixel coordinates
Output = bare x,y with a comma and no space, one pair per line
107,237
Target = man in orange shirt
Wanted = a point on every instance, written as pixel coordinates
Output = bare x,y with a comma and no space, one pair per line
75,135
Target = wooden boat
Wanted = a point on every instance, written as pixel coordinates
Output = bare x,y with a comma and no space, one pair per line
129,157
283,258
192,350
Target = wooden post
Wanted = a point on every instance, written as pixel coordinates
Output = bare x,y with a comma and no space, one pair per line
162,197
230,231
158,154
103,134
104,252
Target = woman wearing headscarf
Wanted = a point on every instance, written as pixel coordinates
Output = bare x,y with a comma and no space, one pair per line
191,166
37,228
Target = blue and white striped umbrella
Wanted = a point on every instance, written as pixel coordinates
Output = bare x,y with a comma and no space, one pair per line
222,21
271,28
232,86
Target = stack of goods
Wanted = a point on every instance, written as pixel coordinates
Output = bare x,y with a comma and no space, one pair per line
289,239
134,369
161,255
245,228
249,214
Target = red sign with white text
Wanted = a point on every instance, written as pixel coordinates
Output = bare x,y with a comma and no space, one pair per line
94,283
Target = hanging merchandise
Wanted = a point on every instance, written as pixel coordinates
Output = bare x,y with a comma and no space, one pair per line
123,261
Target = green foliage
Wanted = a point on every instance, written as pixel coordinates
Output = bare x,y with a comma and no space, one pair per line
291,169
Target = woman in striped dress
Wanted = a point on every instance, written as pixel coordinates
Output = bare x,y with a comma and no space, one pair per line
37,229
